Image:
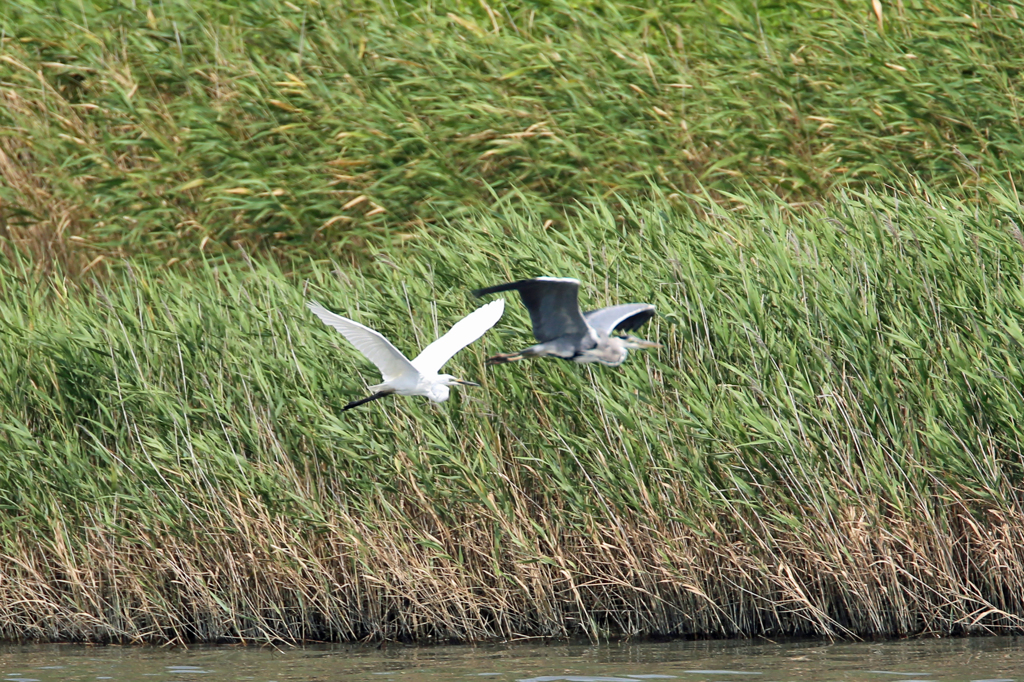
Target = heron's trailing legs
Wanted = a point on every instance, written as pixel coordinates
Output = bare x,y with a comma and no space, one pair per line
502,358
375,396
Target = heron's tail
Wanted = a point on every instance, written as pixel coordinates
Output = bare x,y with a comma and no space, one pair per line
375,396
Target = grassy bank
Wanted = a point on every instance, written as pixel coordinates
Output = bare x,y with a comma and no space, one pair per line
181,128
829,443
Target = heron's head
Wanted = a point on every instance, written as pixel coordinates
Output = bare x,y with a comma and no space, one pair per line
449,380
633,342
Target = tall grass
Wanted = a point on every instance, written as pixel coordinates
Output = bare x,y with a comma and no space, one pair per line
181,128
829,443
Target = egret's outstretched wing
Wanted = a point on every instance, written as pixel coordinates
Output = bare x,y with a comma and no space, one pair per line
376,348
464,332
620,318
552,302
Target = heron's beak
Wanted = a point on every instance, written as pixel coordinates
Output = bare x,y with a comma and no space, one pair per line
462,382
637,342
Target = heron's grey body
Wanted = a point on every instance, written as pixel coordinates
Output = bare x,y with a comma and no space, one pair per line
564,331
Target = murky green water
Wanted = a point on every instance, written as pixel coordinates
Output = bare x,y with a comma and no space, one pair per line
981,659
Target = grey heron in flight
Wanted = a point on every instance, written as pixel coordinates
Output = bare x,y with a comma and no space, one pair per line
418,377
564,331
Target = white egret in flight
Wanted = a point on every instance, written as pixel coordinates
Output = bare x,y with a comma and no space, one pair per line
566,332
418,377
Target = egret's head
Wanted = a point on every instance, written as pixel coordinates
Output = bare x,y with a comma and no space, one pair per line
439,391
633,342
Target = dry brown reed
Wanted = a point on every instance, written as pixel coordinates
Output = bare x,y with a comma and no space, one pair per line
254,578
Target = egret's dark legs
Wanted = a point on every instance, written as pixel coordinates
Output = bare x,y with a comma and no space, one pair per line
357,403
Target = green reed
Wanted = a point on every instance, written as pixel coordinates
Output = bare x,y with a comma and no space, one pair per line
182,128
829,442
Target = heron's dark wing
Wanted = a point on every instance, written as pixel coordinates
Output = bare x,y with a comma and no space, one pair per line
620,318
553,305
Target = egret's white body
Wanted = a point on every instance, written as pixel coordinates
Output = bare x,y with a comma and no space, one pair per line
419,376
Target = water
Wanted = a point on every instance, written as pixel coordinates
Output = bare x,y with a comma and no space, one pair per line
996,659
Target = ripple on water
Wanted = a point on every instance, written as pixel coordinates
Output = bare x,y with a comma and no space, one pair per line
722,672
630,678
576,678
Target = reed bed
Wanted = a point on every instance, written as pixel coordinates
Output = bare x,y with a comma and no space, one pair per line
182,128
828,444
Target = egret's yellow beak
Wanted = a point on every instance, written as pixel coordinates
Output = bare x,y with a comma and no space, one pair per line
463,382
